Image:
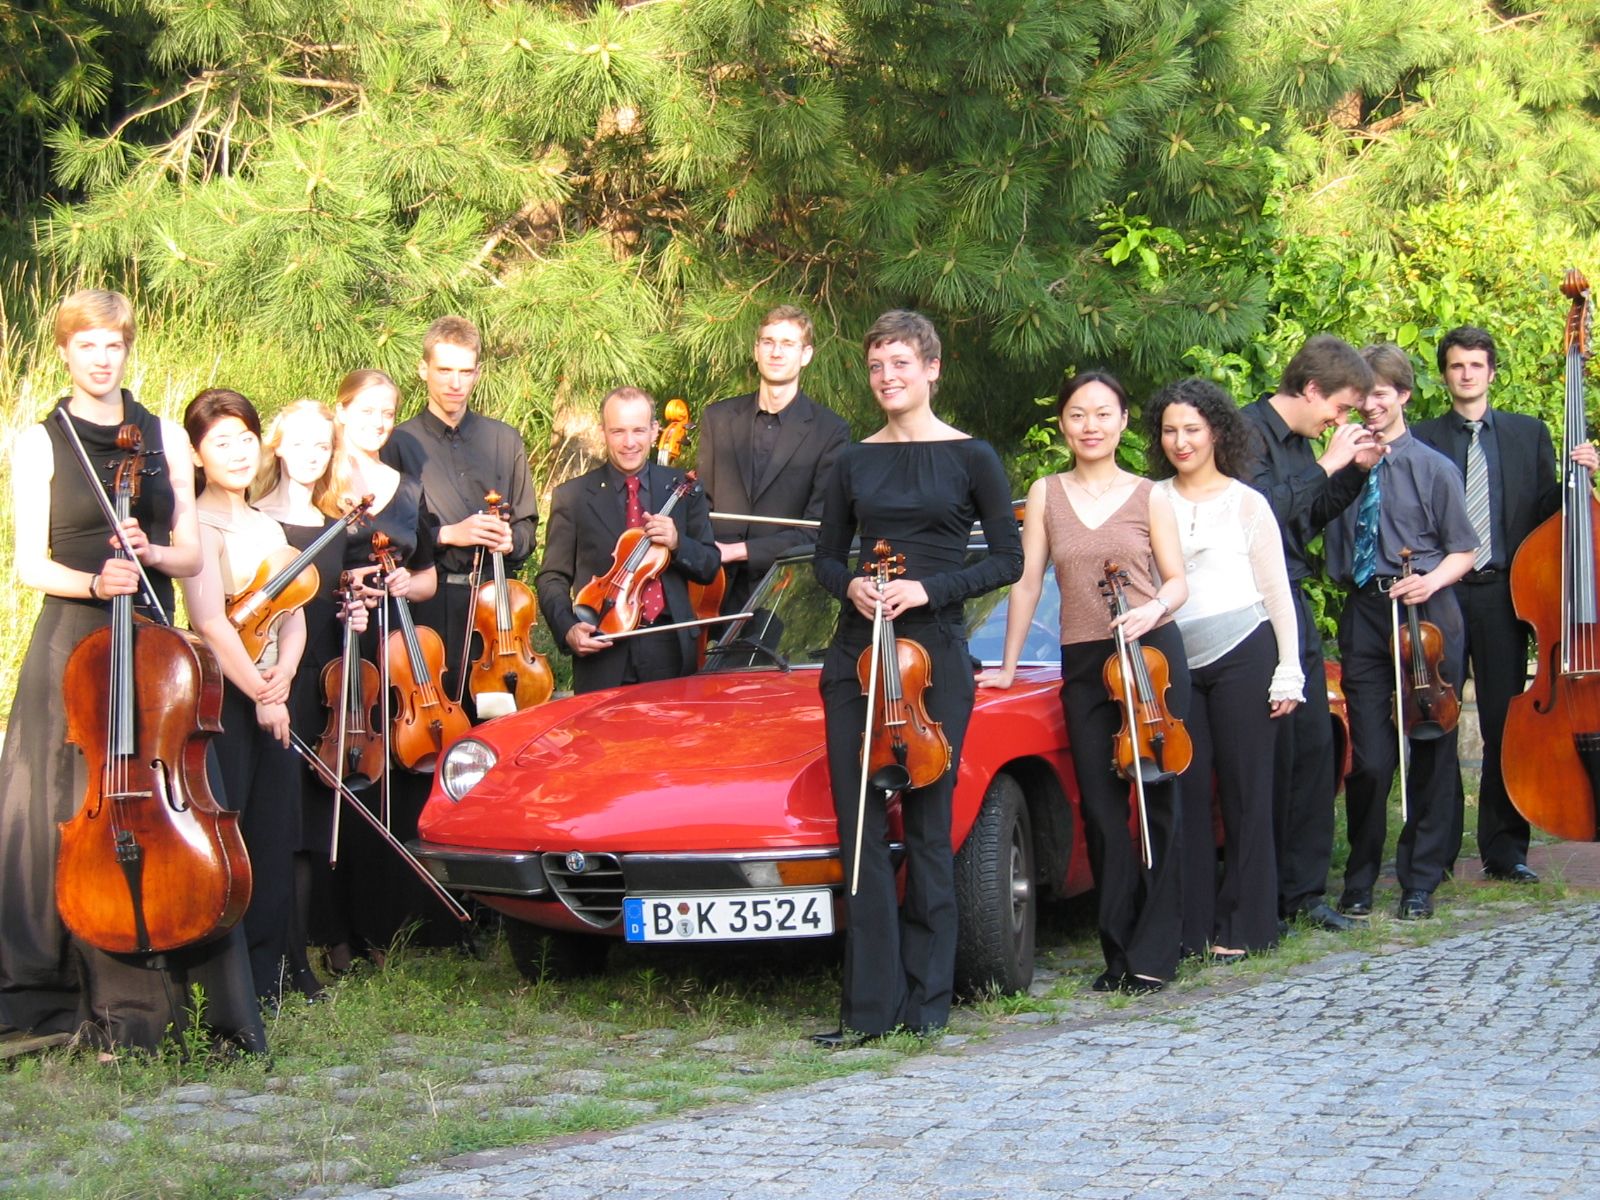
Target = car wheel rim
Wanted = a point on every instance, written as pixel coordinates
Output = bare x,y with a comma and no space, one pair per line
1021,885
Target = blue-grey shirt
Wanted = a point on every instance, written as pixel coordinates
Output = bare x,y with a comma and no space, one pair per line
1422,505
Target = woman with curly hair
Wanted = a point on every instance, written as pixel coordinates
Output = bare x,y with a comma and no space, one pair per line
1243,649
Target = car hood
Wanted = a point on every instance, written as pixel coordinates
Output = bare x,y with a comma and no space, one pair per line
708,762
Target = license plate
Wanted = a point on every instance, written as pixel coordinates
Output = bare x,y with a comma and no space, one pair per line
728,916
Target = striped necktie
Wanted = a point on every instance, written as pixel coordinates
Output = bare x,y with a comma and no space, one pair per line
1478,496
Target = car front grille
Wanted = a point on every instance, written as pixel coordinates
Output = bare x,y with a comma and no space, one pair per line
590,885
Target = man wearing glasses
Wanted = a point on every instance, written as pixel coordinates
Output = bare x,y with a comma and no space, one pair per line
768,454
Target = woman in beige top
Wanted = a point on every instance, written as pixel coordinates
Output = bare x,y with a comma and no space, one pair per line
260,776
1077,521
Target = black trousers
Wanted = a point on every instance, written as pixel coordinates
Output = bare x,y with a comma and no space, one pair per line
1303,782
1426,844
1497,660
262,782
899,959
1140,908
1234,737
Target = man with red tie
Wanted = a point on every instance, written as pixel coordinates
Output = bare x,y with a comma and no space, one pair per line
588,515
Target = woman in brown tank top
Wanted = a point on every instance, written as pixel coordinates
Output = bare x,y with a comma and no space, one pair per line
1075,521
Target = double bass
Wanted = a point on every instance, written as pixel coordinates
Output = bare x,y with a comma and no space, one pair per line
151,862
1551,750
504,613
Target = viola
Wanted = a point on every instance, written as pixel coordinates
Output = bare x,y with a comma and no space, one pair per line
425,720
284,581
1151,736
151,862
907,747
1429,707
1551,750
351,744
504,613
611,602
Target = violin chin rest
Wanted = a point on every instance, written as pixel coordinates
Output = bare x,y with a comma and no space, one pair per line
586,614
494,704
894,778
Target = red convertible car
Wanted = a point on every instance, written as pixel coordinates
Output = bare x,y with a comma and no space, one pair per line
698,809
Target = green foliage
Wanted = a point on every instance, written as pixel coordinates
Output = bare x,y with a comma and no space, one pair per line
617,191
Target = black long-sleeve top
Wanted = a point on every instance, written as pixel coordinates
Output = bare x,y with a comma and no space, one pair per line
922,498
1304,498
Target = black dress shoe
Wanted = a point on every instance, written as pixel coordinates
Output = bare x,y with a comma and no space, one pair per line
1416,905
1323,917
1138,985
1106,981
839,1039
1356,902
1519,873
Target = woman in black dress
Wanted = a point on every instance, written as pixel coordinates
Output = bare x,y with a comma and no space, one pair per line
50,983
259,771
919,484
295,489
383,897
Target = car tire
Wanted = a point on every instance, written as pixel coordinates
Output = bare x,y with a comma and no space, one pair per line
542,954
995,895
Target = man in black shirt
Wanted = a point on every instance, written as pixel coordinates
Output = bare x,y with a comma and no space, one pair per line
768,454
460,456
1320,386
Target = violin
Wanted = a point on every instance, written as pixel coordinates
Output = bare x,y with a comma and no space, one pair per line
1429,707
611,602
425,720
1150,735
351,744
283,582
907,748
1551,750
151,862
705,598
504,613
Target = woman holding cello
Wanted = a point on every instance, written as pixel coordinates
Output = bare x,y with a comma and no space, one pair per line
1079,521
918,484
50,982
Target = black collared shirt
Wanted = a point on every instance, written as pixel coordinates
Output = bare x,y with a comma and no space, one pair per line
763,441
458,466
618,481
1282,466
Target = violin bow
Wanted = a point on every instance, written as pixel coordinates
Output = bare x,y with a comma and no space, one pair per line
99,491
344,719
383,680
474,582
1400,710
1125,657
342,792
866,740
725,619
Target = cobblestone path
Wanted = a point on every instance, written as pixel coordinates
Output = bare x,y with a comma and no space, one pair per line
1465,1068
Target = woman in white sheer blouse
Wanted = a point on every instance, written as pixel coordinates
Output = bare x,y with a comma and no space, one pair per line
1244,661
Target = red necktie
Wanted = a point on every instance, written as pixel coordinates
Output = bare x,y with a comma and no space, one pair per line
652,600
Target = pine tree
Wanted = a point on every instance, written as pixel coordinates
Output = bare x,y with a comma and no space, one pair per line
617,191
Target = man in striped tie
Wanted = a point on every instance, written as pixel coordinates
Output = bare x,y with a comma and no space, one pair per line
1413,502
1507,463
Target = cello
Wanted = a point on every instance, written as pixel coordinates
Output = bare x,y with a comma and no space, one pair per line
1551,750
504,613
425,721
151,862
705,598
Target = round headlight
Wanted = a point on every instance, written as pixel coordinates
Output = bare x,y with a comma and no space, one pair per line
465,763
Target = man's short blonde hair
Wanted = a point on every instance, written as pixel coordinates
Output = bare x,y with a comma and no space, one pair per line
452,331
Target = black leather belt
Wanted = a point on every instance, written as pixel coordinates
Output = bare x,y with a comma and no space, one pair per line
1487,575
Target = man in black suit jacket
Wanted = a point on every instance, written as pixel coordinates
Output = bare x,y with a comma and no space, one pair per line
588,515
1522,492
768,454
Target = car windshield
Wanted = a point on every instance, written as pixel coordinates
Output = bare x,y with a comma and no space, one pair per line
794,620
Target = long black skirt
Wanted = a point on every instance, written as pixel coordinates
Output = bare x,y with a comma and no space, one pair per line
49,981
